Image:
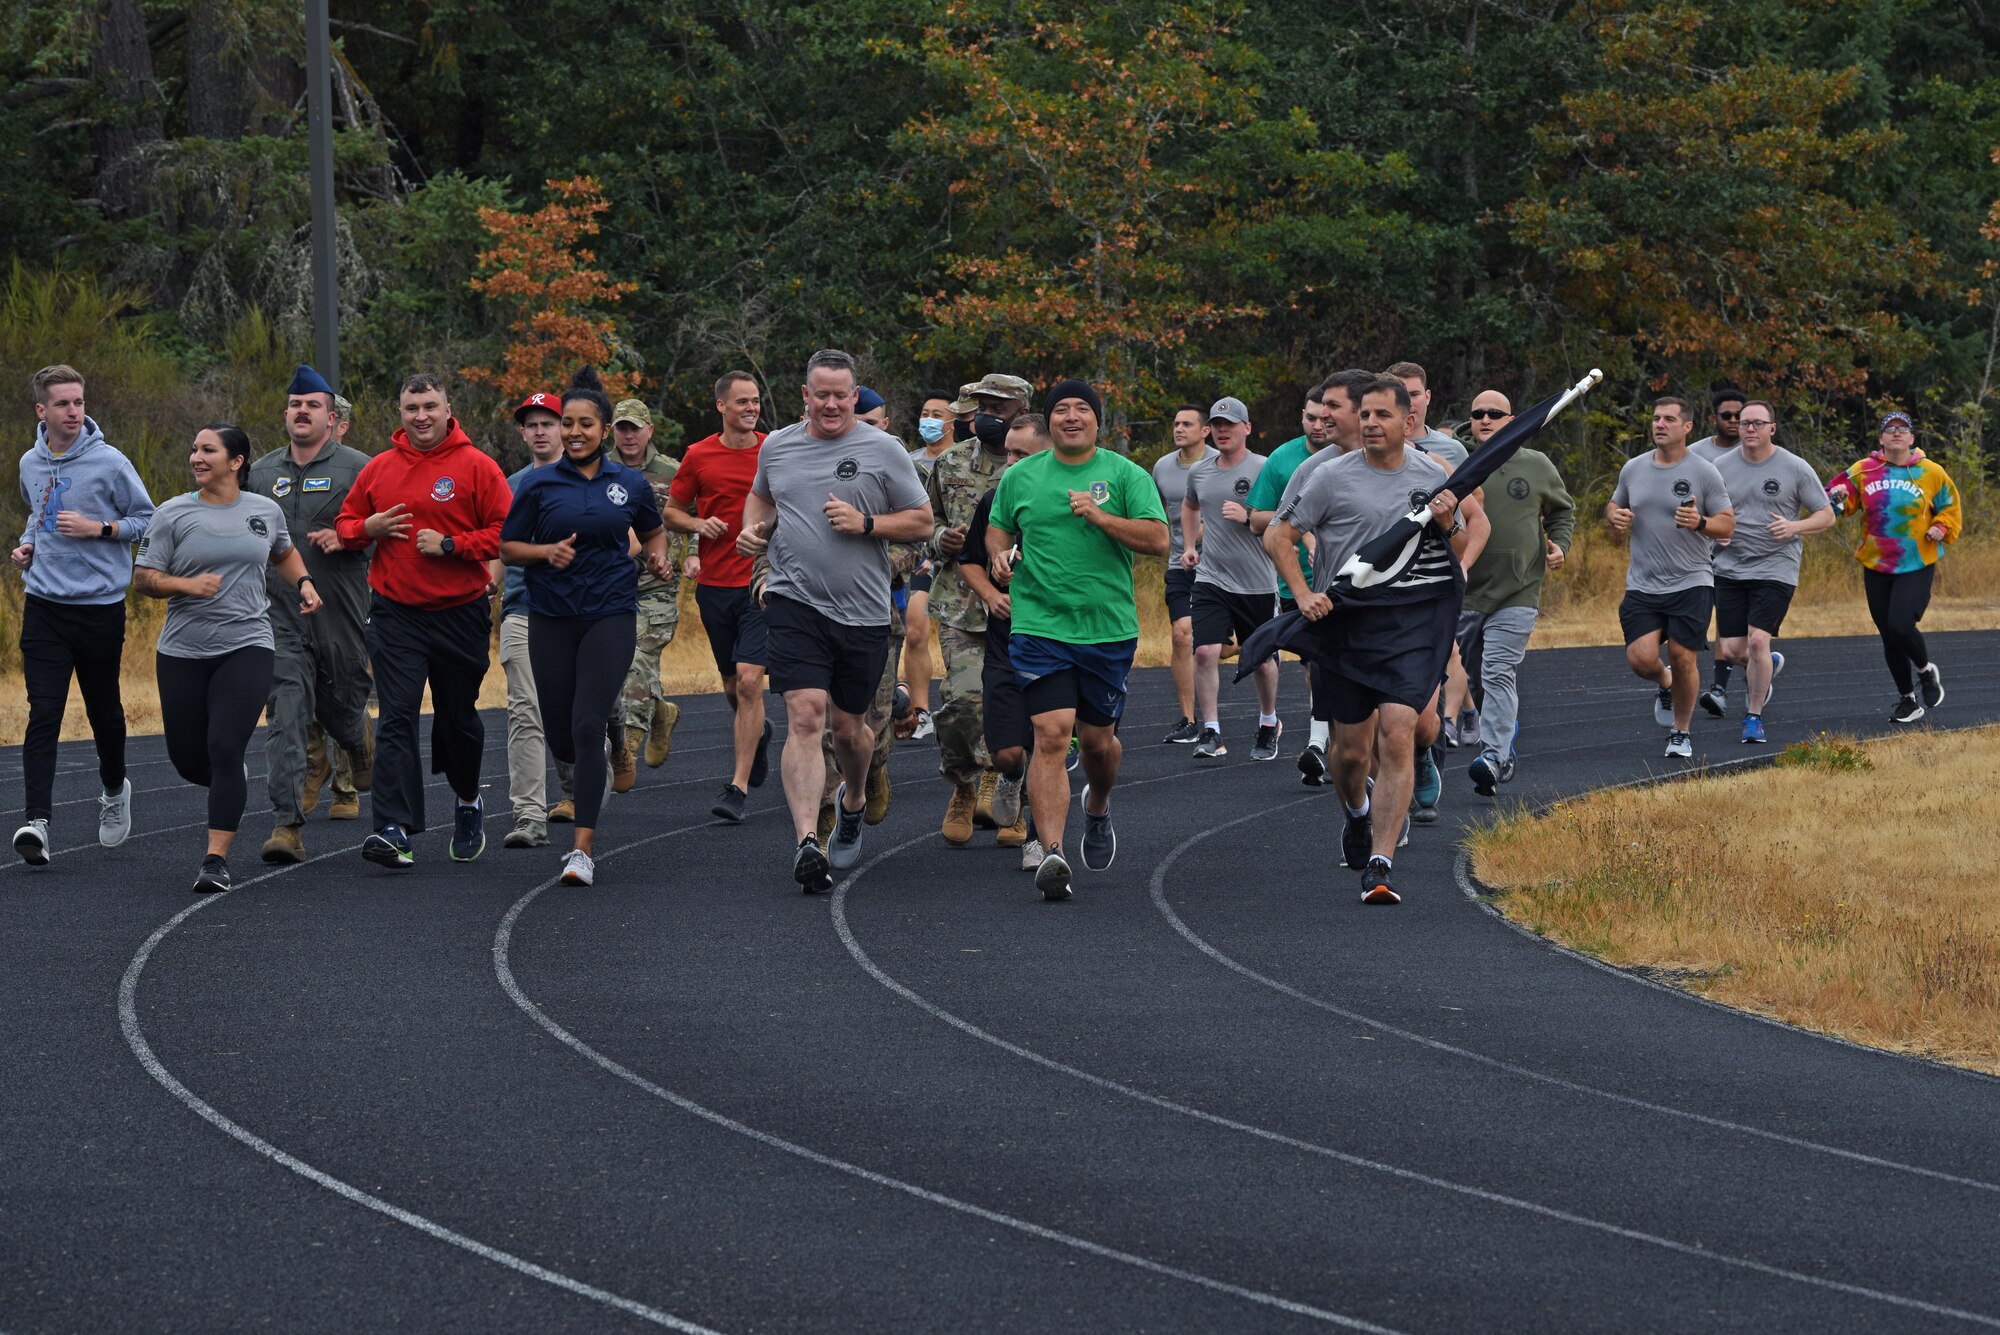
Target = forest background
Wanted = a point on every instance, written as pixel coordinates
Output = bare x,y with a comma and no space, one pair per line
1176,200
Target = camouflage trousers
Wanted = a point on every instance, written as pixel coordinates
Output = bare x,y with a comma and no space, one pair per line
659,617
879,718
961,717
343,768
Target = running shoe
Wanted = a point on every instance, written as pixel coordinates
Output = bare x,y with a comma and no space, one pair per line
1715,699
1007,801
729,806
1907,710
114,813
1210,746
1031,855
578,869
1186,732
1266,745
1375,884
1448,734
1507,770
468,831
760,765
926,725
809,867
1468,726
389,847
1403,839
526,834
1312,765
1753,730
213,878
31,841
1930,685
1075,756
1052,876
1680,745
1430,787
1484,771
1777,666
1100,841
845,848
1357,840
1663,707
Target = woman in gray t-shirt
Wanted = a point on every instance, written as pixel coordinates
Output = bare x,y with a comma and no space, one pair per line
205,553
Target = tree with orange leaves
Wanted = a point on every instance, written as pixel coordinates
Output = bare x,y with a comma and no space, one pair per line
536,271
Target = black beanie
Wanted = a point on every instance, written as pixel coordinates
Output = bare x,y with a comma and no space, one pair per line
1073,389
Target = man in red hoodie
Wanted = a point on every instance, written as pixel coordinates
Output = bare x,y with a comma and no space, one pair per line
432,505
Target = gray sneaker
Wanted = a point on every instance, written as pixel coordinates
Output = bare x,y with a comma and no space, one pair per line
1210,746
1100,841
1052,877
1680,746
31,841
1266,745
526,834
1031,855
114,816
1007,801
844,849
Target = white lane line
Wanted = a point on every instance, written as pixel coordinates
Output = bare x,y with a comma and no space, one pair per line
503,970
135,1038
869,966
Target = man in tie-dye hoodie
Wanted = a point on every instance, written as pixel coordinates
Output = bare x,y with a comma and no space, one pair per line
1909,509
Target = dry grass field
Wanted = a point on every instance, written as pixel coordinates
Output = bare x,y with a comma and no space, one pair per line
1850,890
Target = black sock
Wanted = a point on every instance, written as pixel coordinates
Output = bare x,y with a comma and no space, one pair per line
1721,675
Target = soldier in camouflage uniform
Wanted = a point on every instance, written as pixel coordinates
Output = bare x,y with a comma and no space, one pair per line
905,560
960,477
649,717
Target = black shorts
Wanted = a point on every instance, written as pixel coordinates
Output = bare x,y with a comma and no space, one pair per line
1741,604
1180,592
1221,616
921,583
1393,654
1338,699
1006,708
812,652
734,625
1681,615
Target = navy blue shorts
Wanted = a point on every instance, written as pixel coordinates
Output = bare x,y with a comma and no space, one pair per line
1091,679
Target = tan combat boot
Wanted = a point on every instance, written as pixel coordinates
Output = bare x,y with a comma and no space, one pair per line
284,845
660,740
625,759
877,809
957,827
982,805
319,768
563,812
361,768
346,806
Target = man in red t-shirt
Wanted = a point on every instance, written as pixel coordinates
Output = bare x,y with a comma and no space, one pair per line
713,480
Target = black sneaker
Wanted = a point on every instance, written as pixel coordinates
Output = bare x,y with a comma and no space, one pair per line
213,879
1184,733
1266,745
809,867
729,806
1312,765
389,847
1210,746
760,768
1930,686
1907,710
1100,841
1357,841
468,831
1375,884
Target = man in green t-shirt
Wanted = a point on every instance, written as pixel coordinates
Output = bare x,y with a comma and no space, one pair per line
1064,526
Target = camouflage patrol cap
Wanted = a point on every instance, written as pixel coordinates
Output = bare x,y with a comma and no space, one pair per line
993,385
633,411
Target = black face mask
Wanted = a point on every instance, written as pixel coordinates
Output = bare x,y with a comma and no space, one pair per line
991,430
961,430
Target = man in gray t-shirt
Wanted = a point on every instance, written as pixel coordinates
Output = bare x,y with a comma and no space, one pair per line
829,495
1673,505
1235,587
1778,500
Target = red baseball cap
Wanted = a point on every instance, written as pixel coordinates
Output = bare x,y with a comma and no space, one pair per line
548,403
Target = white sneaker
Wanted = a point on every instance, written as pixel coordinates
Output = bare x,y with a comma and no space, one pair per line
1680,746
31,841
114,816
578,869
1031,855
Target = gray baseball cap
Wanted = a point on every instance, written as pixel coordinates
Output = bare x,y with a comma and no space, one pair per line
1229,410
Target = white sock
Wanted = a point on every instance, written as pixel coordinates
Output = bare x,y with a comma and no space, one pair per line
1358,814
1267,720
1213,727
1322,733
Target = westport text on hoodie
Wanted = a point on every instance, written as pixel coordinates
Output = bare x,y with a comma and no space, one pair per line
98,482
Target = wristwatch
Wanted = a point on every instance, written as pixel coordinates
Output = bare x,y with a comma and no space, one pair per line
448,546
110,530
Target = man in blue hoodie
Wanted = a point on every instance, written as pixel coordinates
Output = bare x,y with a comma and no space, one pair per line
86,507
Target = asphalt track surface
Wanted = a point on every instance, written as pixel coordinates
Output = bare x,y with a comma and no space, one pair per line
1212,1092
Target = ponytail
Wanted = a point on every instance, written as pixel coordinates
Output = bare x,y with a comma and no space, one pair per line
236,443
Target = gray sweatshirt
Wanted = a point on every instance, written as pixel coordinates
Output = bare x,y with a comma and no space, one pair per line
96,481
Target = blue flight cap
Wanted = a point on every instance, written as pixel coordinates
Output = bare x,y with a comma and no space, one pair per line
308,381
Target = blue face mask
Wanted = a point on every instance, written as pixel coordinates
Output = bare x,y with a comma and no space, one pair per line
931,429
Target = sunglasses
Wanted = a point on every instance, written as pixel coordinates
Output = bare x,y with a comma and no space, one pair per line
1727,417
1488,414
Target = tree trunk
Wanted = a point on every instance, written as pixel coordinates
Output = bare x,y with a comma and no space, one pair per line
218,84
121,64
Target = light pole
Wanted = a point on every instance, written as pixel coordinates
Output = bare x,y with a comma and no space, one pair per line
319,130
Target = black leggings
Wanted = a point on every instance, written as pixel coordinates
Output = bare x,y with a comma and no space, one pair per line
580,669
1897,603
210,708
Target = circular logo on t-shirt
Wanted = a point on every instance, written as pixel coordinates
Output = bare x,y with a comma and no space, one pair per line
1100,491
1771,487
1419,500
616,494
1683,488
846,469
1242,486
257,526
441,489
1517,487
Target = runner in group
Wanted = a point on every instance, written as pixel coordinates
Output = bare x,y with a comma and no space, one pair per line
649,717
1390,664
432,504
1778,499
1063,528
706,499
1909,510
320,667
572,525
1235,586
327,765
1533,520
934,423
539,420
956,482
207,552
1424,436
1725,408
86,507
1672,504
829,495
1170,474
1009,736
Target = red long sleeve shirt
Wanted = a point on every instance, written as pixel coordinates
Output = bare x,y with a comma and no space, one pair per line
451,487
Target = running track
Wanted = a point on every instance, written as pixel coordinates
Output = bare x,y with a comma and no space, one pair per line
1210,1093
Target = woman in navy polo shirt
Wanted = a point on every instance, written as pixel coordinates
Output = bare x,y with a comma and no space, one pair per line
572,527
